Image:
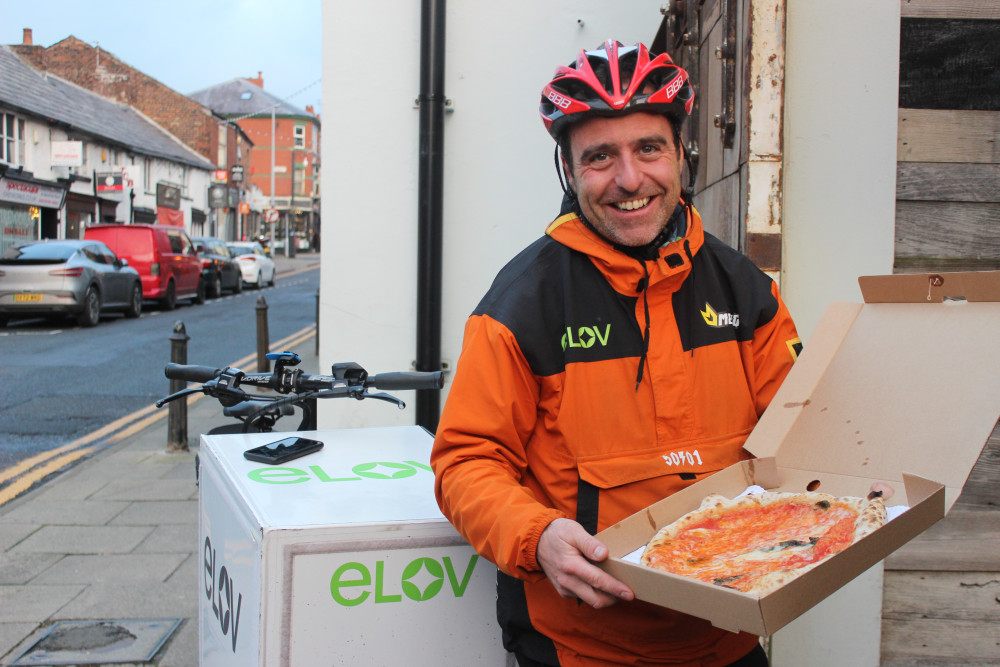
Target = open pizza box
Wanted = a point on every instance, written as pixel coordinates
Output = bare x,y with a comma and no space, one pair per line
903,389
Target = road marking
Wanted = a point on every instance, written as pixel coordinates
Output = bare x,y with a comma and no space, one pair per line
30,471
21,485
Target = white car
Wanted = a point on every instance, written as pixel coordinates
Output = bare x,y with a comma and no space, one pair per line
256,266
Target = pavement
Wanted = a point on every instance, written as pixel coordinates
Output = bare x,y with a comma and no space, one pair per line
101,560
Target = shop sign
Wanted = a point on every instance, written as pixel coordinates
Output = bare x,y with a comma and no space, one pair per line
110,181
168,196
220,176
244,208
237,173
31,194
67,154
218,196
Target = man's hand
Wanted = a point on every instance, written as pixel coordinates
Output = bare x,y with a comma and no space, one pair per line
565,551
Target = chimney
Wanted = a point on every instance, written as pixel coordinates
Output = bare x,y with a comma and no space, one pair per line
309,110
259,81
27,41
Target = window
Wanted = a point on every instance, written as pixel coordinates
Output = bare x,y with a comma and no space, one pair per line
147,174
300,136
11,139
176,242
300,180
223,148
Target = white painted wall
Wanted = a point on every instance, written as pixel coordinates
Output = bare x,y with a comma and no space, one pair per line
841,97
500,184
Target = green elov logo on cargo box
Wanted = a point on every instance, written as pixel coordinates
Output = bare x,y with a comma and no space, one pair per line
422,579
359,472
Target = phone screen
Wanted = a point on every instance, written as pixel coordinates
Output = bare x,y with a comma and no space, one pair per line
283,450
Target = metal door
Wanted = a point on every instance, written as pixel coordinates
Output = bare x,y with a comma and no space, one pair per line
734,53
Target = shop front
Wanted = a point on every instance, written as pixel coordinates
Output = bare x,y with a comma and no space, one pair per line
29,207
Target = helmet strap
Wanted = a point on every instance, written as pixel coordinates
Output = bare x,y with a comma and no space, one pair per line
563,183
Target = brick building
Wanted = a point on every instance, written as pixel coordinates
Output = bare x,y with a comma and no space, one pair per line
292,186
222,143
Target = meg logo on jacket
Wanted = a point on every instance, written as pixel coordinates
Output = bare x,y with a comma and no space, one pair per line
718,320
586,336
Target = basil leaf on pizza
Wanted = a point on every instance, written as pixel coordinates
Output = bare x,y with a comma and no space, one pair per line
757,543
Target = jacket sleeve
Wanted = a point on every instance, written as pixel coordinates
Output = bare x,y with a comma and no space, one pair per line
479,455
776,346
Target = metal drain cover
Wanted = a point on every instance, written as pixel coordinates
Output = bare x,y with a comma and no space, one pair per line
99,642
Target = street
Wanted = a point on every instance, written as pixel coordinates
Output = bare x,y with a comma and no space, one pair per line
61,382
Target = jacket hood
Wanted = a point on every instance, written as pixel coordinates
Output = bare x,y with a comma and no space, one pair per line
625,273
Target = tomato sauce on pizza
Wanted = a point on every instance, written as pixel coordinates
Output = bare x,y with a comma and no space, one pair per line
756,543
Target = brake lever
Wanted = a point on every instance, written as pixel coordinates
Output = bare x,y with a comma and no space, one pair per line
388,398
180,394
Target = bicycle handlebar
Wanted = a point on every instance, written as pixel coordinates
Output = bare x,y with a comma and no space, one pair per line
190,373
296,381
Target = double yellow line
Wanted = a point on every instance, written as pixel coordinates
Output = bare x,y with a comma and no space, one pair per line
32,470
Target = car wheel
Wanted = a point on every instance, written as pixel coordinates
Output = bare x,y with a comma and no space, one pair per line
199,296
135,302
239,284
91,313
215,286
169,300
273,272
258,282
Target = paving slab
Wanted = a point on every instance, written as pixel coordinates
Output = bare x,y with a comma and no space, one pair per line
20,570
170,538
34,603
12,636
66,512
12,533
134,600
155,512
83,540
151,489
114,568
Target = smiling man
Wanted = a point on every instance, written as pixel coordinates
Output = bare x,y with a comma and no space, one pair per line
624,338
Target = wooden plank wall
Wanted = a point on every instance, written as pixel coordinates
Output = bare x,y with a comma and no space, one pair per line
948,170
941,601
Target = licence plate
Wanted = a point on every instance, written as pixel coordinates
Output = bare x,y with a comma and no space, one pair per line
27,297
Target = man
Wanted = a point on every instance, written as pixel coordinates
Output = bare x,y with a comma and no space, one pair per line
622,335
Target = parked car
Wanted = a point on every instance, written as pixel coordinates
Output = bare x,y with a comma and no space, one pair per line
257,267
77,278
218,268
163,255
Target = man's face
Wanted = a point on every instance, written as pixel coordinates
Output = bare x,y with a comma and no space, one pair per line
626,172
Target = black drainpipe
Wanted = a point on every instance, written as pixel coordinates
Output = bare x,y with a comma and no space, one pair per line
431,180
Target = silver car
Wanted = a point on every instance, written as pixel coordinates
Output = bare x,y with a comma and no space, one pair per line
76,278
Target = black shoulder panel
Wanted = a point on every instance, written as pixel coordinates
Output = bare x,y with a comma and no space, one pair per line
561,309
726,297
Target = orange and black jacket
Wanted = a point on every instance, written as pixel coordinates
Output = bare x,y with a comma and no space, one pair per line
592,384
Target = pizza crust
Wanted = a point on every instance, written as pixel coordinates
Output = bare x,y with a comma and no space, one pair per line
871,514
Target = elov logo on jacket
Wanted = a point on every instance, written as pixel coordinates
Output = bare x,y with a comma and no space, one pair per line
718,320
586,336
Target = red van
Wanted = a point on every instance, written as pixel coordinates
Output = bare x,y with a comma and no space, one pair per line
163,255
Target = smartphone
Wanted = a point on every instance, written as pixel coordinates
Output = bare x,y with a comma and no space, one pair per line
283,450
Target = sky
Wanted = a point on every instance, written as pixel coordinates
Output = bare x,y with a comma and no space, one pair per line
189,45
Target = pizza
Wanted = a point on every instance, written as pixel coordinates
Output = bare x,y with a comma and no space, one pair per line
758,543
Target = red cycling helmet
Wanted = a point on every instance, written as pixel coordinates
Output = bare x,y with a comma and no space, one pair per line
614,80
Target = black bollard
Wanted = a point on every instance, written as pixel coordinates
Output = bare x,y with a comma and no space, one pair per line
177,416
263,337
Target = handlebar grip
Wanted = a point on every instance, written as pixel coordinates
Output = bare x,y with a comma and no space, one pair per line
190,373
407,380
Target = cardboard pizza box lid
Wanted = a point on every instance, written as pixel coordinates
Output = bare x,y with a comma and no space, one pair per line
908,382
